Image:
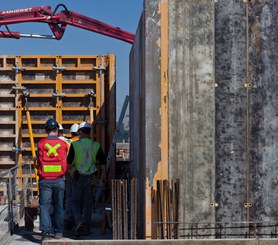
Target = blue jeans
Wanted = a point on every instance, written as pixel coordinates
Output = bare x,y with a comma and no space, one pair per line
82,200
52,191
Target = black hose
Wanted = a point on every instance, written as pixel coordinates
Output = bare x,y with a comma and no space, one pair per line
60,5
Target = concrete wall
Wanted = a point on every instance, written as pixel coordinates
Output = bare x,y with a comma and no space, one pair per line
221,133
144,106
246,111
191,106
263,120
231,111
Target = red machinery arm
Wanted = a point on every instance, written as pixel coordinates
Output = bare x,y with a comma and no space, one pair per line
58,23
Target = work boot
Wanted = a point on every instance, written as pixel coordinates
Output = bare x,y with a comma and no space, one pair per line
86,230
69,224
58,235
45,235
80,229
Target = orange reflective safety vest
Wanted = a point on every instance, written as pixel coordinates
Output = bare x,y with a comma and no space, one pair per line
75,138
52,158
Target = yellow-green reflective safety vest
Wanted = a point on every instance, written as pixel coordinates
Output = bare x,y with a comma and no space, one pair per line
85,156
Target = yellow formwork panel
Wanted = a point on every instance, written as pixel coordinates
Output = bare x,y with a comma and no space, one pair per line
63,87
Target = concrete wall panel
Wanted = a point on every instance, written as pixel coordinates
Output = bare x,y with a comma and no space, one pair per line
222,109
231,98
145,108
262,69
137,118
191,106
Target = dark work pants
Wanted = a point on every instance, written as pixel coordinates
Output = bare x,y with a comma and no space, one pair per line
82,200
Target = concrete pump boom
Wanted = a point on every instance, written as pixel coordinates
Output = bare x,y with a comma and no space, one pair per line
57,23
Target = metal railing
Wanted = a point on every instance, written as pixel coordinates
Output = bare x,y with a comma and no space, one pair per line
16,194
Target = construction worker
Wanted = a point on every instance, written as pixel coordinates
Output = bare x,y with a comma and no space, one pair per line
84,154
73,131
61,135
52,165
69,217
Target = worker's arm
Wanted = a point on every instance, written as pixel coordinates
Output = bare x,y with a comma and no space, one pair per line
70,156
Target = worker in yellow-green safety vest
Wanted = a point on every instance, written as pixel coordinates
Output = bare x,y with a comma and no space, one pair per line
84,154
52,164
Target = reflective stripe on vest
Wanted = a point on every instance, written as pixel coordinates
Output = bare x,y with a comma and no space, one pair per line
52,149
52,168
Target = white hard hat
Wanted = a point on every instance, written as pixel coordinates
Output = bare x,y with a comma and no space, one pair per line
60,127
84,125
74,128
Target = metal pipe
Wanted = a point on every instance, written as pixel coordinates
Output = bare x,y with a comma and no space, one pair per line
32,143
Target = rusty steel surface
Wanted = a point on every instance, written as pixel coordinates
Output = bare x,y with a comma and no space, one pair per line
123,212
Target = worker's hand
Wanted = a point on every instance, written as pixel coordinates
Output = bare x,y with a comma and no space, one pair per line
36,165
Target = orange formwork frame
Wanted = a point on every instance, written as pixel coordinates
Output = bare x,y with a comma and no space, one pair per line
59,87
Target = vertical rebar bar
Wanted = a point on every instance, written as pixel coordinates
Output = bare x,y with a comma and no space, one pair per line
125,221
132,210
255,230
114,210
133,218
197,234
120,214
10,204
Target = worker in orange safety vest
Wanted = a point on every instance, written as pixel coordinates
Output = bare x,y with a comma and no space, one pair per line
73,131
52,164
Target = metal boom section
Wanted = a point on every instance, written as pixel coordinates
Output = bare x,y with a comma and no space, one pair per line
57,23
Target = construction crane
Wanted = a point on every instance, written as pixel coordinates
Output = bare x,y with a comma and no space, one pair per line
57,22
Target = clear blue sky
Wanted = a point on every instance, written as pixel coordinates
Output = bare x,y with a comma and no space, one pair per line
124,14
